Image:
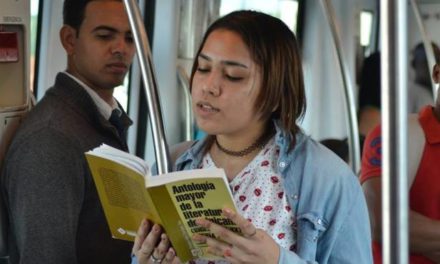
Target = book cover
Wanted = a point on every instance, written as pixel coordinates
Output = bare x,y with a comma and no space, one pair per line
175,200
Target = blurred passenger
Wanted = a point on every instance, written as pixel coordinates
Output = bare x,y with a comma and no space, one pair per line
297,202
424,185
338,146
420,90
55,215
369,95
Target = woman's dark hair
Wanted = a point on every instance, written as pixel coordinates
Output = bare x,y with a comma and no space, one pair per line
273,47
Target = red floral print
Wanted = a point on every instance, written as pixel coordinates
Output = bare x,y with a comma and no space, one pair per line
265,163
268,208
274,179
257,192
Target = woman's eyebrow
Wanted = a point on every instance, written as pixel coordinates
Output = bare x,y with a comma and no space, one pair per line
225,62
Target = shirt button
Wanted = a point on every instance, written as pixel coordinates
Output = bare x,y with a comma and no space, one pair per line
282,164
295,197
319,222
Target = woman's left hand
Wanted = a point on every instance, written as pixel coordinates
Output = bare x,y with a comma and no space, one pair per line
254,246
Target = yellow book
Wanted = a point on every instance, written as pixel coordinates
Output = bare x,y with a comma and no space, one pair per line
128,194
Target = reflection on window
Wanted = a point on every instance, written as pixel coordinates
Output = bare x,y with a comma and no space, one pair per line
34,22
366,21
286,10
121,93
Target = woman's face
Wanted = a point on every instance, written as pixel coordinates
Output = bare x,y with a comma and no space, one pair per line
225,86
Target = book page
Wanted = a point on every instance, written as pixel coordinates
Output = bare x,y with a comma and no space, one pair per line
194,194
122,157
123,196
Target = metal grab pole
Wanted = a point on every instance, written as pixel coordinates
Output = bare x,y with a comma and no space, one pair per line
353,135
150,84
394,131
189,117
427,44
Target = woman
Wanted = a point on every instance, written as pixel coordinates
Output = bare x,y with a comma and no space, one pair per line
297,201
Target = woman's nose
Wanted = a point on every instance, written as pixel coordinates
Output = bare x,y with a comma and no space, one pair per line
212,85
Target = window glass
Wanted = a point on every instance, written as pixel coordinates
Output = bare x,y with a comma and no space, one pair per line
286,10
366,24
121,93
34,22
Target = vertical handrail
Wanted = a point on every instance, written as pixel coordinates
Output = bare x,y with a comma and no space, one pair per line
394,130
189,117
353,134
429,50
150,84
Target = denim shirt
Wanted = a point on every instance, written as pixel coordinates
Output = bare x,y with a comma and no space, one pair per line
326,199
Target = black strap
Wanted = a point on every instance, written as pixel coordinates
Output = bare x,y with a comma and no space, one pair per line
115,120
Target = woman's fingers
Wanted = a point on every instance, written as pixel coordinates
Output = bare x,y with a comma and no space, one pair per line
161,250
150,241
247,228
153,246
142,233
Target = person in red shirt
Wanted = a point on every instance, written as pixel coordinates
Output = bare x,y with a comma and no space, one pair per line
424,192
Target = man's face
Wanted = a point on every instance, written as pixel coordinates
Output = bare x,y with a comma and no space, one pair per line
101,52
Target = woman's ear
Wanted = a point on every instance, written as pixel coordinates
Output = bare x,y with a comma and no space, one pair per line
68,38
436,73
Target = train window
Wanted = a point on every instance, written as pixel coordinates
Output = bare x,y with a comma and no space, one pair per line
34,25
121,92
366,24
286,10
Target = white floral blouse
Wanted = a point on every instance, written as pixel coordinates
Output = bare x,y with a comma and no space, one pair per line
259,195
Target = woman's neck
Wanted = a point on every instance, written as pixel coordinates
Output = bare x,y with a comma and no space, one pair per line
234,153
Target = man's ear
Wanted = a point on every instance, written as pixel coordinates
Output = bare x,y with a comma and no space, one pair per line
68,38
436,73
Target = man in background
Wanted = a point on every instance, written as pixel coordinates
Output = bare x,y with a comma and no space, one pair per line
424,187
54,212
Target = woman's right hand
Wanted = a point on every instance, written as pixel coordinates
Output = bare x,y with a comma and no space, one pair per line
148,249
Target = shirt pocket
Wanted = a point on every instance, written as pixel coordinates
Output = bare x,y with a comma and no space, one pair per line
310,227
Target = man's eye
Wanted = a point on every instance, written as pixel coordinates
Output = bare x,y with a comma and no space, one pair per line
104,36
202,70
129,39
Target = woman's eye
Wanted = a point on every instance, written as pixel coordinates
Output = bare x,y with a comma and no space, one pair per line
233,78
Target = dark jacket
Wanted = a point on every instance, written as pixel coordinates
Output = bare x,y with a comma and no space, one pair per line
55,215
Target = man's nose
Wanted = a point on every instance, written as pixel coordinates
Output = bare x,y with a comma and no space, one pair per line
120,46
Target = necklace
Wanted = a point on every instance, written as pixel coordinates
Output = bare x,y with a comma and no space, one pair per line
258,144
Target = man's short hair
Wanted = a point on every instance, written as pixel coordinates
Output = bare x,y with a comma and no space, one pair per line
73,12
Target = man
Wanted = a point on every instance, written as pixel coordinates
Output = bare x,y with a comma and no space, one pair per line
54,212
424,189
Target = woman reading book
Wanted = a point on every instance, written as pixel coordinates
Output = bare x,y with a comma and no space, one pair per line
297,202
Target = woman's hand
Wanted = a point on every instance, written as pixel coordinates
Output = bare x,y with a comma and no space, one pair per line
149,250
255,246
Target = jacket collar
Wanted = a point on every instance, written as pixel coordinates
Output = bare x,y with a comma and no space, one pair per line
283,140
